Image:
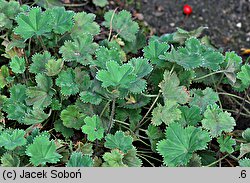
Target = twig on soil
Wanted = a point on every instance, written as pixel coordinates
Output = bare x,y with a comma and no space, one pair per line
243,103
110,29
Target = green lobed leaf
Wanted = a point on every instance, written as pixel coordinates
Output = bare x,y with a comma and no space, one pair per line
131,160
195,161
154,134
244,162
154,50
116,75
41,95
203,98
10,160
217,121
122,23
93,128
190,115
17,65
167,114
66,81
244,149
80,49
171,90
66,132
244,75
119,141
246,134
226,143
78,160
113,159
72,117
141,67
133,115
89,97
181,143
84,24
12,139
42,151
35,23
62,19
39,62
53,67
100,3
194,55
103,55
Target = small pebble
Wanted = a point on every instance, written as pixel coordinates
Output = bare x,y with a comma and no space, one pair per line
239,25
172,24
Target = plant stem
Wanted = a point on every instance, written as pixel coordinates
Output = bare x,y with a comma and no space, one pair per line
75,5
232,95
104,109
218,160
111,26
146,160
243,104
210,74
42,43
111,116
151,107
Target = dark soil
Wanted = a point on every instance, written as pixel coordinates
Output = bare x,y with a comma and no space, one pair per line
228,21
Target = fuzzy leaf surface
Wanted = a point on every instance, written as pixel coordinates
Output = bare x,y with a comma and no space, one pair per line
194,55
78,160
62,19
84,24
41,95
116,75
119,141
203,98
80,49
226,143
171,90
167,114
35,23
53,67
244,75
42,151
113,159
66,81
17,65
154,50
12,139
217,121
72,117
39,62
181,143
93,128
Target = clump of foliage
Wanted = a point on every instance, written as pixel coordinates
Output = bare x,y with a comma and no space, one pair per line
69,98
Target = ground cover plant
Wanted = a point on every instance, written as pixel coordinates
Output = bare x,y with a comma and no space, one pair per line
72,98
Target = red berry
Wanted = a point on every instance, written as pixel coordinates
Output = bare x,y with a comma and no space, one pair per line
187,10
